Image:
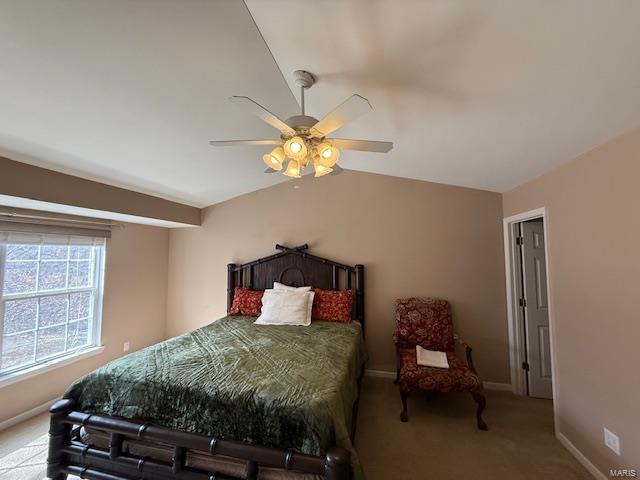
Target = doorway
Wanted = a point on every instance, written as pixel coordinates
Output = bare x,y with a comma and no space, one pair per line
530,318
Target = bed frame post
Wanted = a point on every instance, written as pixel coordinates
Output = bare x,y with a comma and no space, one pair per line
337,464
59,436
360,295
231,284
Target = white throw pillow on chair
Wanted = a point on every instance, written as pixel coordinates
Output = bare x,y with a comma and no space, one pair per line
431,358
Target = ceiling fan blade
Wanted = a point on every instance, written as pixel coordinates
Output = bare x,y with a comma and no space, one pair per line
362,145
352,108
265,115
233,143
270,170
337,170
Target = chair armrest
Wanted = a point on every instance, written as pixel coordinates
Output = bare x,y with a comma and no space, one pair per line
468,351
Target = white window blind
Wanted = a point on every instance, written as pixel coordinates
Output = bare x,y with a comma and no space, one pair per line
31,221
50,296
24,238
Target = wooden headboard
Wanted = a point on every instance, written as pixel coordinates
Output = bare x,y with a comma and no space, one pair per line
297,268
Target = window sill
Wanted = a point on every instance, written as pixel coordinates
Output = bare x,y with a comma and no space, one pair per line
15,377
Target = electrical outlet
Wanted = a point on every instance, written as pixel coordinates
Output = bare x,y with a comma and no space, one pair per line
612,441
126,346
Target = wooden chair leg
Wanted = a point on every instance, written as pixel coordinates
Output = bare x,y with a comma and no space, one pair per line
482,403
404,416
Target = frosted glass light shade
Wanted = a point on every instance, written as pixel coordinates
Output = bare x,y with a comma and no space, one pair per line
329,155
274,159
295,148
320,168
293,169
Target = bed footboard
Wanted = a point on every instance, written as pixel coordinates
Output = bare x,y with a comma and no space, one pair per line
67,455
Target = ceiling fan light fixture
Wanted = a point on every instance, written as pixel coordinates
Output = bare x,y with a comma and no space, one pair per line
319,168
295,148
293,169
329,154
305,140
274,159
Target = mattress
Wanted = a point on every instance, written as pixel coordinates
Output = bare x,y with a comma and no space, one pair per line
282,386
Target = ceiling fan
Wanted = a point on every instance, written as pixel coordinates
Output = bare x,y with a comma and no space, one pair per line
303,139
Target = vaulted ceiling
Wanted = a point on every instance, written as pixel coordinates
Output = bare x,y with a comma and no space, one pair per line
483,94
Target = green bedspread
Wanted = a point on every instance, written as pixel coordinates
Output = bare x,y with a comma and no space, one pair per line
281,386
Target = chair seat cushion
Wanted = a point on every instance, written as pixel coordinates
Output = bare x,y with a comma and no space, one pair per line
457,378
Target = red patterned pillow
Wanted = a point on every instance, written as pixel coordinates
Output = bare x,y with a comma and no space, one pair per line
246,302
332,305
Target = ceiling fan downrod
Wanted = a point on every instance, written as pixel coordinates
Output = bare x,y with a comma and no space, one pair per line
304,80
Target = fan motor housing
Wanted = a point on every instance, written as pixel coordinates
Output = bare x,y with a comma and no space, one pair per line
301,123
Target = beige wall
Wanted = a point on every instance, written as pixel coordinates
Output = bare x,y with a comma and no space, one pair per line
35,183
594,275
414,238
135,290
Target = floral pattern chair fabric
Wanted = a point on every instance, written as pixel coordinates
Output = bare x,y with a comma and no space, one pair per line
428,323
425,322
457,378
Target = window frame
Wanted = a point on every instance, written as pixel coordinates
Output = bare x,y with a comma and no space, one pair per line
94,325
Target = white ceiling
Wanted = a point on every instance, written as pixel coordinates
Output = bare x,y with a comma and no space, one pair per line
130,93
484,94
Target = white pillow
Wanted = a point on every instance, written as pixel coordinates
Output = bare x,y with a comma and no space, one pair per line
282,286
285,307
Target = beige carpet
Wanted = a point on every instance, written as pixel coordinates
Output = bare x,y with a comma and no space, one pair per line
439,442
26,462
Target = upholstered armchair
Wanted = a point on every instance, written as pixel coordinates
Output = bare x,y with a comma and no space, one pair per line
428,323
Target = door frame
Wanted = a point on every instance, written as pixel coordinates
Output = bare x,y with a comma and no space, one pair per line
516,330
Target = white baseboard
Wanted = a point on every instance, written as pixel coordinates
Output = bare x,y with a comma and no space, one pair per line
505,387
380,374
584,461
27,415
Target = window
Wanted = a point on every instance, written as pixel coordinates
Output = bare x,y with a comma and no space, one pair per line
50,297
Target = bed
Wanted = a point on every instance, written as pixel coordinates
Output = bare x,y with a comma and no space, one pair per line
231,400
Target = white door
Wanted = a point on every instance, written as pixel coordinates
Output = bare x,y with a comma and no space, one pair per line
536,310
